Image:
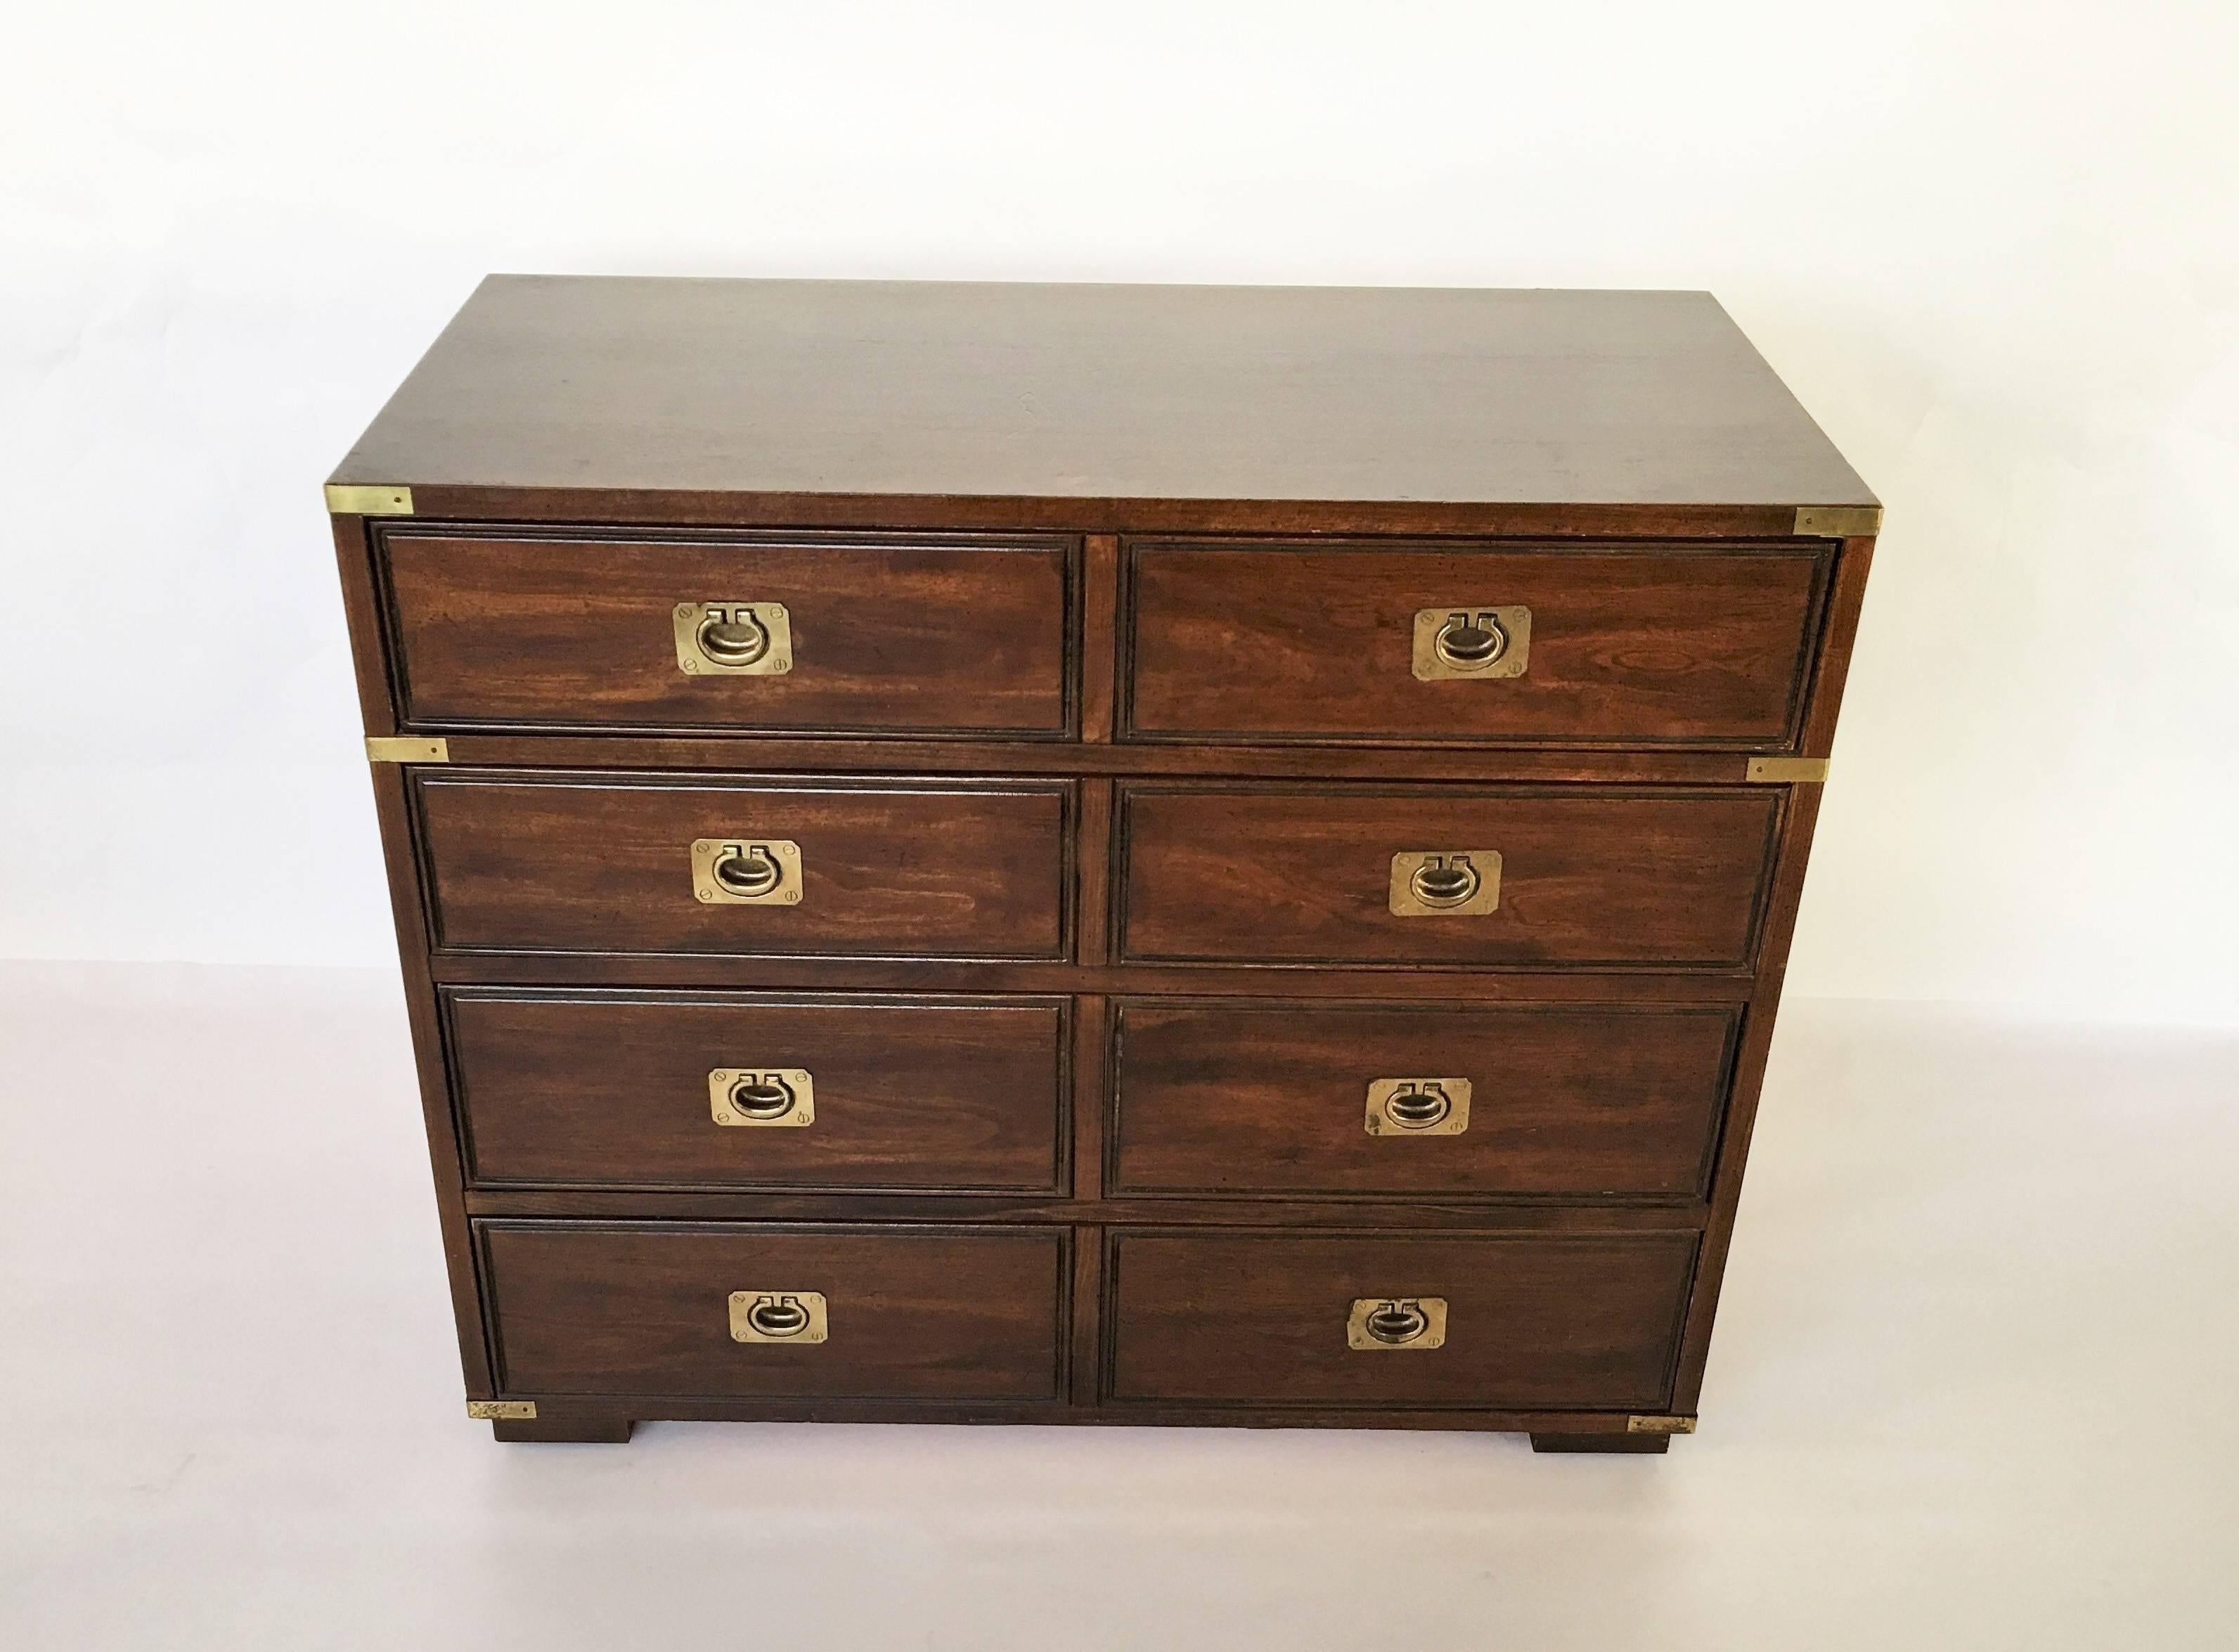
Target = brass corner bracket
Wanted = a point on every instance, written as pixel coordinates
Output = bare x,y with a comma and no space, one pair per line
406,748
1660,1425
502,1410
370,501
1838,522
1786,771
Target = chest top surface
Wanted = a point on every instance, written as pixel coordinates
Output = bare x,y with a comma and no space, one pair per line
999,391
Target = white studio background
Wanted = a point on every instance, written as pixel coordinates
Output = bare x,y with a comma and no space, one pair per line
1992,245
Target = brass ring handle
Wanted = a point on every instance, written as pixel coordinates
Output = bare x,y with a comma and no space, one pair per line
778,1316
1447,886
1396,1322
1471,645
770,1098
739,640
753,871
1415,1109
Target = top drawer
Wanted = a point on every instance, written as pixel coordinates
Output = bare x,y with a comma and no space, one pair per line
1624,645
877,635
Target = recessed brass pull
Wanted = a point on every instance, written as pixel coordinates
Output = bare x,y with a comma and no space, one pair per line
783,1097
1432,883
734,639
1390,1323
1455,643
747,871
778,1316
1418,1106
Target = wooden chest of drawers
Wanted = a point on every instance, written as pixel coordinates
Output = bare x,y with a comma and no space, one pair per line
1093,855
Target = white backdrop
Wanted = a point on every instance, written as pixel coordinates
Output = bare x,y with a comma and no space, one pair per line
1992,246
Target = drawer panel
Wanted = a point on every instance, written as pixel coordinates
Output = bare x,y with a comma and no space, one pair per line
602,863
1625,645
1560,1323
1277,1099
1604,876
598,1089
926,636
645,1308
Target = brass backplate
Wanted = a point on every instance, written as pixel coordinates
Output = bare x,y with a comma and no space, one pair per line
1407,902
709,853
1385,1120
721,1081
1660,1425
1514,621
1786,771
406,748
501,1411
753,1311
369,501
1838,522
1433,1334
775,660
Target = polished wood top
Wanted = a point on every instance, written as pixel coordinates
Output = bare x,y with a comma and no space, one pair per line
1014,392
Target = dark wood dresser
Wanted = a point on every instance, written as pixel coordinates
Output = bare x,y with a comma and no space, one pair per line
1074,853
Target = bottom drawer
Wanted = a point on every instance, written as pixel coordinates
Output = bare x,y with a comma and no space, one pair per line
769,1310
1574,1323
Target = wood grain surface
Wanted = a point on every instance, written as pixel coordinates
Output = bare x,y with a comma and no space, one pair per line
610,1090
927,1313
1573,1322
556,863
514,630
1263,1099
1610,875
1629,644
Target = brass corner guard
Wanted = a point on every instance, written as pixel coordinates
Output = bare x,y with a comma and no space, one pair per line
502,1410
377,501
1786,771
1660,1425
406,748
1838,522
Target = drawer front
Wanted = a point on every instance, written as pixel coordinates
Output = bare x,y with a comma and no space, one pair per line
908,1313
1514,1100
534,631
1607,876
1627,646
758,1091
1560,1323
595,863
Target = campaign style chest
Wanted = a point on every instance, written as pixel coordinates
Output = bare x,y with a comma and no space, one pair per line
1075,853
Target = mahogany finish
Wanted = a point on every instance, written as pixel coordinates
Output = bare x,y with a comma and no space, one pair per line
1588,877
1254,1319
1272,1099
573,632
1700,646
643,1309
519,862
1100,732
597,1088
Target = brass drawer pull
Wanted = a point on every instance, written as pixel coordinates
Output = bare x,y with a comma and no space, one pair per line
735,639
1434,885
778,1316
1381,1322
1471,644
1418,1106
1426,883
747,871
743,640
762,1096
1454,643
750,869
